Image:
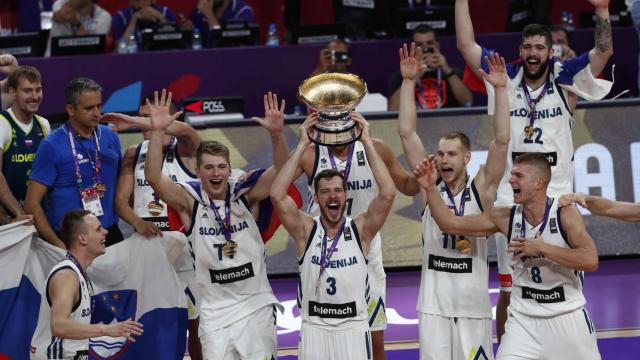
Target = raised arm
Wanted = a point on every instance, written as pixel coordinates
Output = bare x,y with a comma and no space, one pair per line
489,176
603,207
581,256
603,48
124,190
273,122
371,221
63,292
404,181
466,40
472,225
171,193
8,64
297,223
410,68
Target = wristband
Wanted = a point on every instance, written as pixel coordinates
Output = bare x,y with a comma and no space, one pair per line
449,74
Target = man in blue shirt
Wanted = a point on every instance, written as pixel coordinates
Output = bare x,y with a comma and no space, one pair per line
76,167
141,14
209,14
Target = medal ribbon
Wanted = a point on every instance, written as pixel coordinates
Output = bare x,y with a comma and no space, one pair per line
326,254
532,103
462,199
95,166
84,275
547,208
226,223
347,168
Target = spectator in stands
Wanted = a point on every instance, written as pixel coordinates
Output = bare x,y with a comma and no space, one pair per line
30,14
209,14
76,18
562,44
21,131
142,14
439,86
8,64
76,167
335,57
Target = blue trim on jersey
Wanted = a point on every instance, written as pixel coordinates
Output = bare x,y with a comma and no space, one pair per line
315,165
379,306
511,216
366,341
561,228
309,240
588,320
137,156
475,194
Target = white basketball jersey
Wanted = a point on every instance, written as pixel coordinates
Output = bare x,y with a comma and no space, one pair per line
339,296
361,190
541,287
81,312
145,203
454,284
552,137
230,288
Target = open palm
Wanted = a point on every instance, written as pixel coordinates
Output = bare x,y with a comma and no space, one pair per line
161,117
410,66
497,75
273,119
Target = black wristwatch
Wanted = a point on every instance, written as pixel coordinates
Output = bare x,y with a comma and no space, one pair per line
449,74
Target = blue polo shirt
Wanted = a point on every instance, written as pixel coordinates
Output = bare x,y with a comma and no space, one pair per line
55,168
121,19
237,10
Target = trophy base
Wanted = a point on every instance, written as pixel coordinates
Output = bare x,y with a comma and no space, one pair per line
335,130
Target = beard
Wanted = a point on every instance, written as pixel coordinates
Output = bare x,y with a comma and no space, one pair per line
542,69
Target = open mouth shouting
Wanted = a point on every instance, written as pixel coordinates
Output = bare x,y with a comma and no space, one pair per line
446,172
516,193
334,209
533,64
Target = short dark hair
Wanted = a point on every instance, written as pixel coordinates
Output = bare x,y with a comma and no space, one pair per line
340,41
556,28
26,72
173,107
327,174
424,29
72,224
537,30
538,160
77,86
464,139
214,148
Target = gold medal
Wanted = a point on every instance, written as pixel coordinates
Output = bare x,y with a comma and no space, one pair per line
528,132
155,208
101,187
463,245
229,248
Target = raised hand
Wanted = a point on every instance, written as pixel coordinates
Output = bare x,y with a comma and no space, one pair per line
307,129
410,65
426,173
363,124
161,117
497,75
127,329
273,119
8,64
575,198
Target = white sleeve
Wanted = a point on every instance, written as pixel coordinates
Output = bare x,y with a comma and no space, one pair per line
102,23
586,86
47,126
5,133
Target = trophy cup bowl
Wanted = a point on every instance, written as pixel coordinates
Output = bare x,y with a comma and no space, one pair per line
334,96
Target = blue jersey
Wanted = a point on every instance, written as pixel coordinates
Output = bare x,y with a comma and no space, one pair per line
54,167
19,153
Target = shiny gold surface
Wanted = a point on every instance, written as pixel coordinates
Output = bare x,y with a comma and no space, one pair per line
333,92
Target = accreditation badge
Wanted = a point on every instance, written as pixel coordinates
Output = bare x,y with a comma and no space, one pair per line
91,200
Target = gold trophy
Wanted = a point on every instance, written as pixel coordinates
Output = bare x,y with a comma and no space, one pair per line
334,96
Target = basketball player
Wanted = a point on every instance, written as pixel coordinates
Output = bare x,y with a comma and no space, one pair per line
69,291
550,249
138,205
352,161
455,268
237,305
543,92
603,207
332,249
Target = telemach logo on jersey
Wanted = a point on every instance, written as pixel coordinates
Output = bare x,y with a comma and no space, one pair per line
544,296
333,311
230,275
451,265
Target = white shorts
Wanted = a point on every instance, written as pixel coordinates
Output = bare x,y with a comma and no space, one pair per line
505,273
568,336
321,344
444,337
251,338
377,303
188,281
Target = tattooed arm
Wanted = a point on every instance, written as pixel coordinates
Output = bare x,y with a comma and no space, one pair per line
603,49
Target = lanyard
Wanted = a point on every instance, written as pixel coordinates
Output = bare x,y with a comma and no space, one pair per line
326,254
347,167
226,223
96,165
462,199
547,208
84,275
532,103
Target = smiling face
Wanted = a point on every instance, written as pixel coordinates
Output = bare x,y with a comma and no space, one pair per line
214,172
452,159
93,236
27,97
331,196
535,54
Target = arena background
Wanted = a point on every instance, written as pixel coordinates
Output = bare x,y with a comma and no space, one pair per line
607,161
